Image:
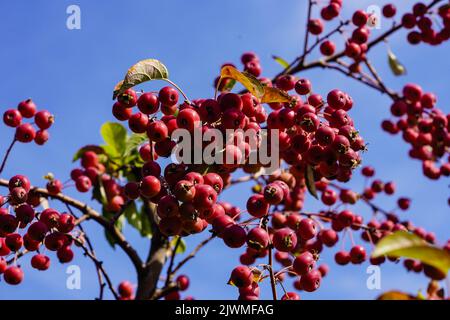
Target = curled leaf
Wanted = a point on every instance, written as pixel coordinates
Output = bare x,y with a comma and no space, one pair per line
408,245
309,180
397,68
253,85
281,61
145,70
272,94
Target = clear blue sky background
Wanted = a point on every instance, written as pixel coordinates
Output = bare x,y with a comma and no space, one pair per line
72,73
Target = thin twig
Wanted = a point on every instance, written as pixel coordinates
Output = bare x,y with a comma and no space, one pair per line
193,253
8,151
172,259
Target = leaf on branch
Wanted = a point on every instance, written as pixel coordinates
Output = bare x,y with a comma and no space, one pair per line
228,86
133,142
281,61
181,246
253,85
397,68
115,137
143,71
272,94
309,180
118,224
408,245
81,151
395,295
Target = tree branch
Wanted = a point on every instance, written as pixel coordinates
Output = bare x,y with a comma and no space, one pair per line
97,217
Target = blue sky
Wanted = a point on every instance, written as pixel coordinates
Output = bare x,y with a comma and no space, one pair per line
72,73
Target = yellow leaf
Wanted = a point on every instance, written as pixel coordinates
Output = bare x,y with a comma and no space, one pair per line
272,94
253,85
405,244
395,295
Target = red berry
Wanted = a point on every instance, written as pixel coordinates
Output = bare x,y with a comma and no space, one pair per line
303,86
37,231
150,186
44,119
389,10
357,254
157,131
12,118
168,96
412,92
128,98
188,119
41,137
290,296
25,133
13,275
327,48
148,103
121,112
27,108
258,239
359,18
257,206
311,281
315,26
138,122
24,213
234,236
54,186
126,289
14,241
329,237
65,254
182,282
40,262
66,223
205,196
336,99
83,184
284,240
304,263
241,276
342,258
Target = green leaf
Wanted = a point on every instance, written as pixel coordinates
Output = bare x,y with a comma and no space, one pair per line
229,86
81,151
408,245
281,61
181,246
132,215
397,68
115,137
118,224
133,142
143,71
309,180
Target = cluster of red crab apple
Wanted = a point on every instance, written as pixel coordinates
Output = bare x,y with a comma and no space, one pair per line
425,127
26,132
23,228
